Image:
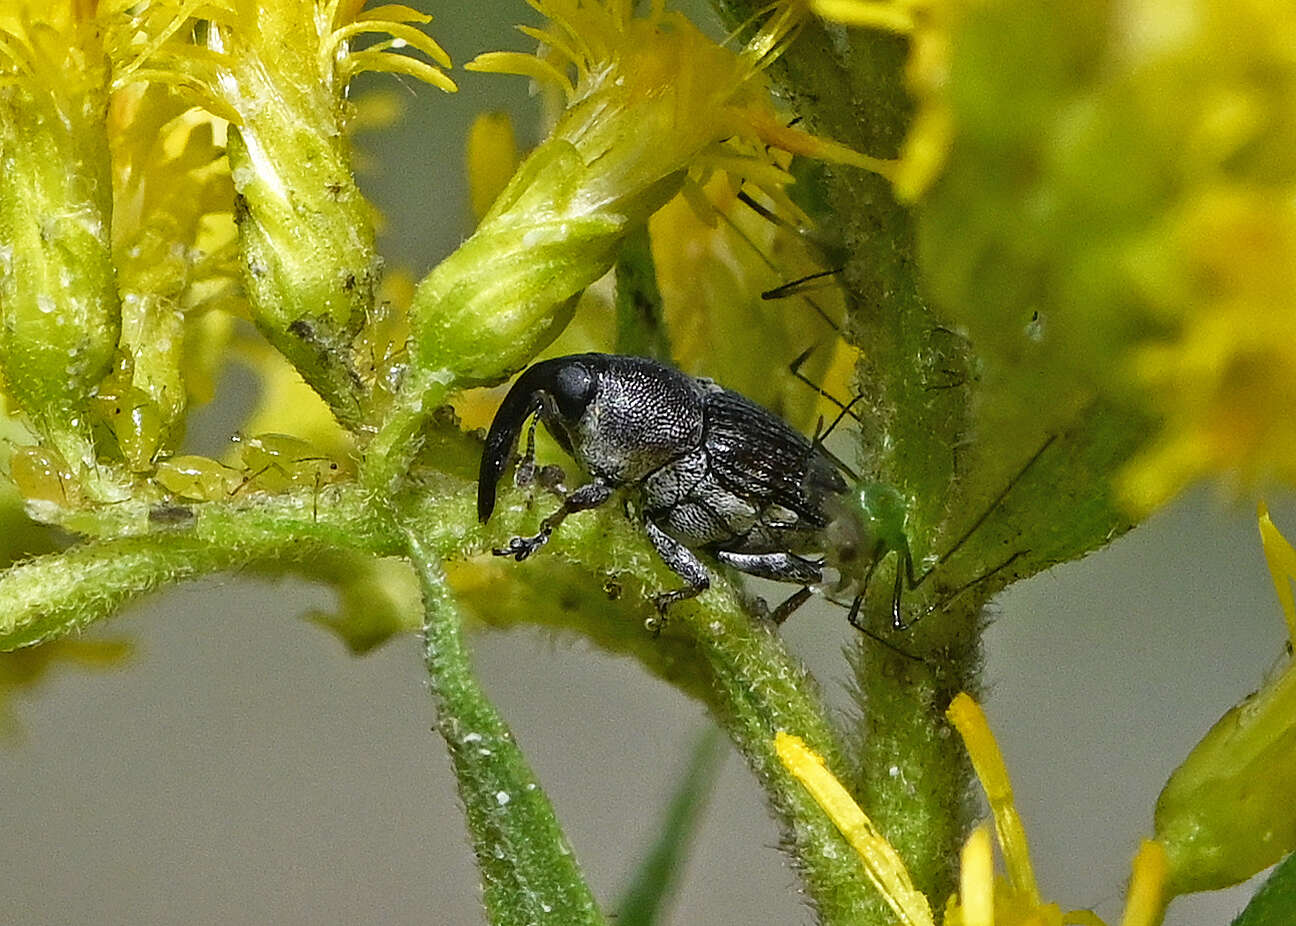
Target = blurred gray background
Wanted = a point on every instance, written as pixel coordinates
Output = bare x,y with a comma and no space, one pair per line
244,769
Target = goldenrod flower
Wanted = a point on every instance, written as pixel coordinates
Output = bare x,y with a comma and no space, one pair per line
278,72
983,899
1115,216
58,298
175,251
650,101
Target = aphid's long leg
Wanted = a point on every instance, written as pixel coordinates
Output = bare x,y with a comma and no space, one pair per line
764,258
904,570
905,567
949,599
798,286
914,582
853,615
795,369
590,495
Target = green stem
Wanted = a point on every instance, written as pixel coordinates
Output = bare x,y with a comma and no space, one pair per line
528,870
392,449
759,689
914,775
56,594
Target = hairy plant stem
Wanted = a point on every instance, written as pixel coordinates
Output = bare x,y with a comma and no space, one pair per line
911,776
915,773
528,871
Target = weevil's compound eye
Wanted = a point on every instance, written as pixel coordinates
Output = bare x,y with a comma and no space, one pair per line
572,390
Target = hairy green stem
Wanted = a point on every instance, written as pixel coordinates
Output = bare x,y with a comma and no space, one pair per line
911,776
528,871
913,770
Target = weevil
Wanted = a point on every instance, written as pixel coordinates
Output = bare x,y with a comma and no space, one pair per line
716,474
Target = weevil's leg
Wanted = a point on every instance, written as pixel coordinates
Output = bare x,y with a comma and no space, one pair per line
781,567
684,564
525,473
590,495
790,604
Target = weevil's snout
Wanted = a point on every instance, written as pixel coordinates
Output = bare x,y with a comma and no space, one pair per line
561,388
513,413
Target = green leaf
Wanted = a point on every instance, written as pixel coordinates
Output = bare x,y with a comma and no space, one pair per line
1275,903
658,875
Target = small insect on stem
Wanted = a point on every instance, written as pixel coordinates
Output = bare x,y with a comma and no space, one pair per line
714,473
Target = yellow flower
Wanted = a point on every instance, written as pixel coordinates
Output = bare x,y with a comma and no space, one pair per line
650,96
301,49
983,899
58,298
650,102
175,252
278,72
1116,215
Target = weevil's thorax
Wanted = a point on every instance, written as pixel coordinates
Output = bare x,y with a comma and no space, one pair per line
641,416
867,522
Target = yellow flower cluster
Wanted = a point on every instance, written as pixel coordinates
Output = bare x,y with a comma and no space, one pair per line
1107,199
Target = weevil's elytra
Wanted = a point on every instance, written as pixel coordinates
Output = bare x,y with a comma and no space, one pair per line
716,472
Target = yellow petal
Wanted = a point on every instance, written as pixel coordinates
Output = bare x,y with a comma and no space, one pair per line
894,17
1145,903
515,62
987,761
1281,558
976,880
881,863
